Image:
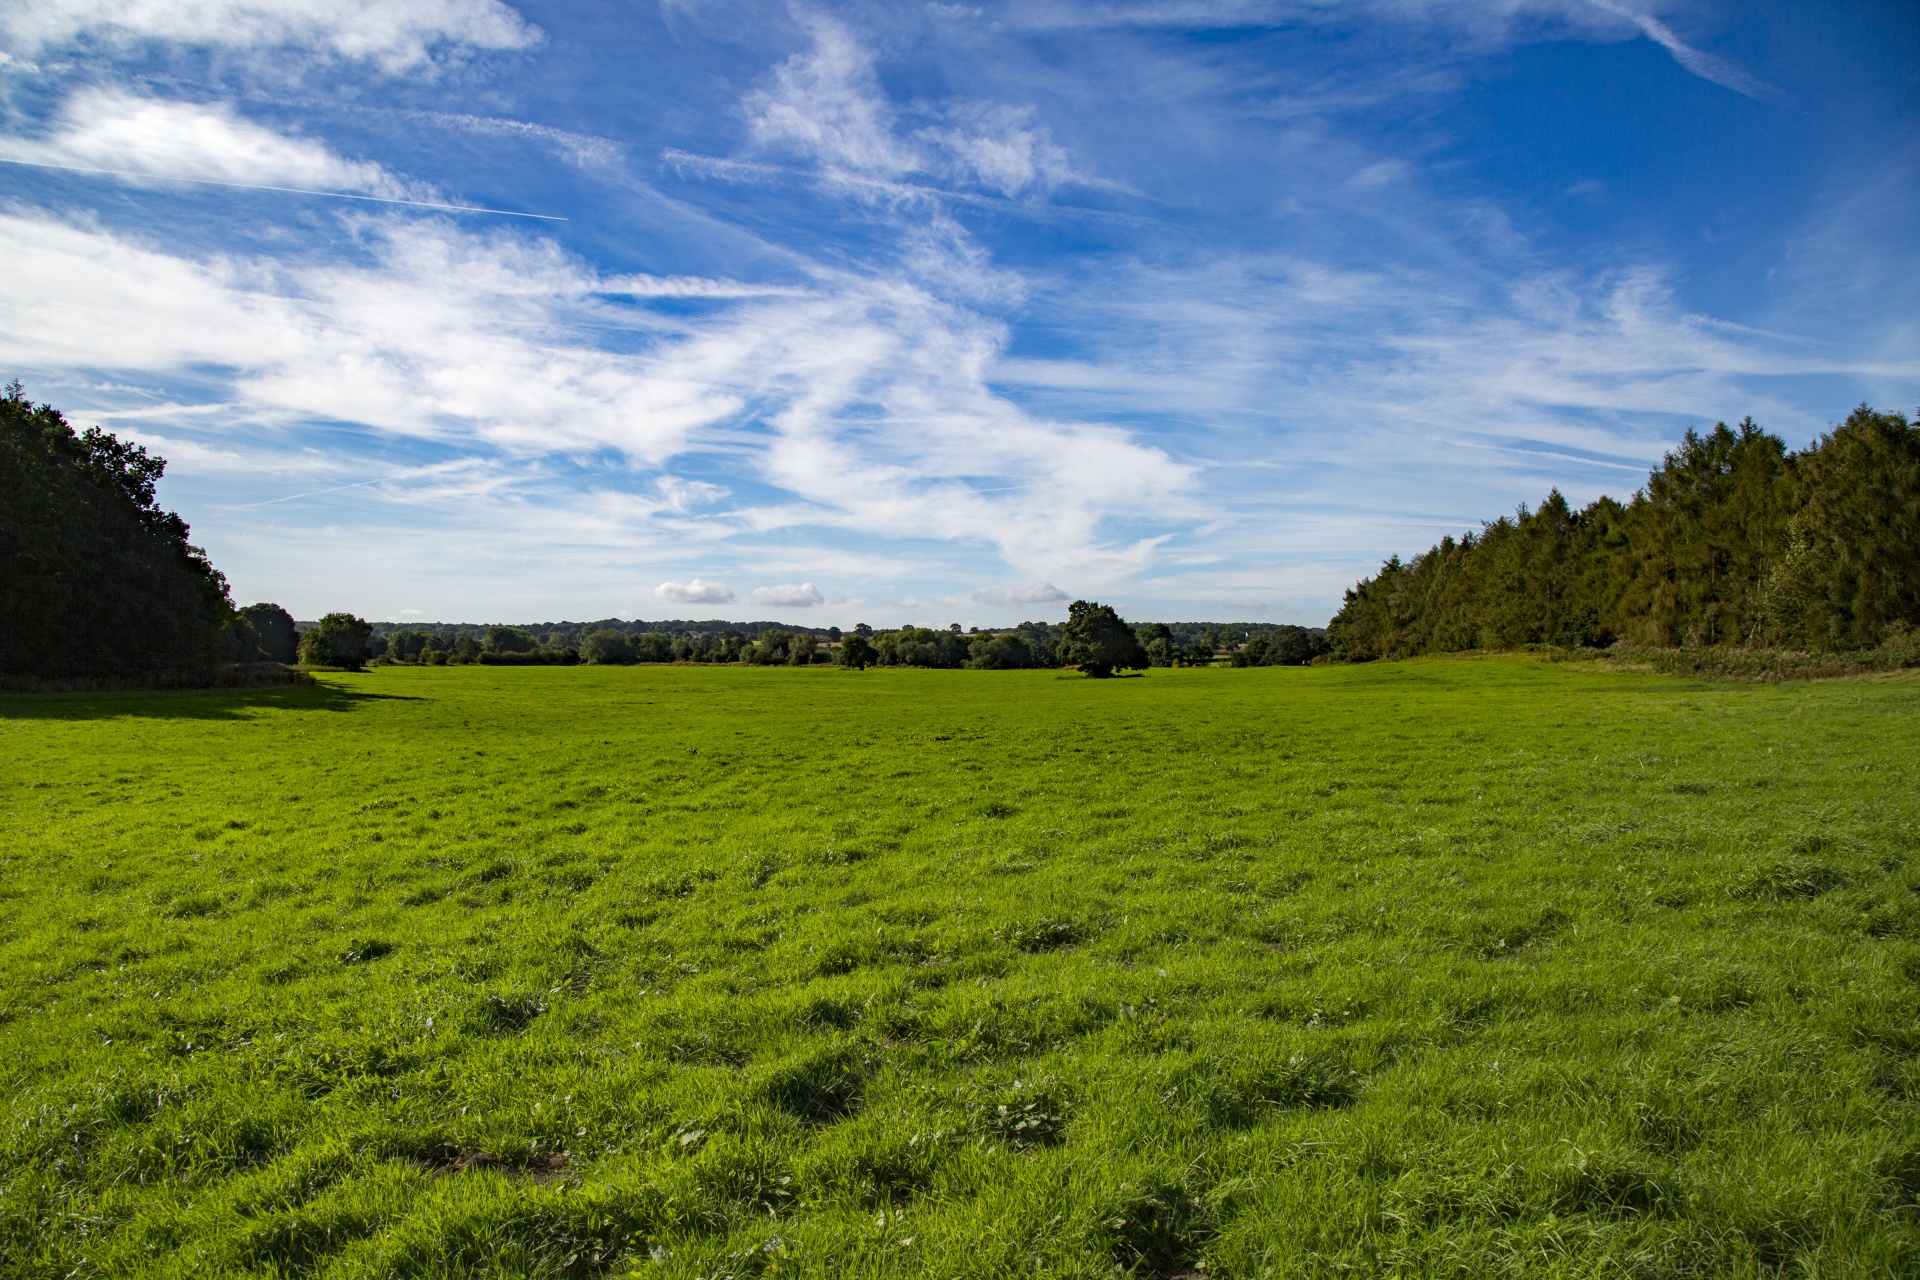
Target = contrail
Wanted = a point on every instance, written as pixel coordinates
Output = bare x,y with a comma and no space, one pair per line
361,484
297,191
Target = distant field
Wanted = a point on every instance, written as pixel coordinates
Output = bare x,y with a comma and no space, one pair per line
1464,968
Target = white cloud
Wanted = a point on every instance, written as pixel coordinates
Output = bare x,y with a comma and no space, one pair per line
482,340
864,399
1038,593
826,104
396,34
789,595
695,592
683,495
116,130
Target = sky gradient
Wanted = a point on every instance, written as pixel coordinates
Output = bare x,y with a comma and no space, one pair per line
931,313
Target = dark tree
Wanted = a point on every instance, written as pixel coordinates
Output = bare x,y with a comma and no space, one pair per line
510,640
96,579
337,640
652,646
1734,541
1000,653
279,638
1156,639
855,652
1851,567
410,645
607,647
1097,641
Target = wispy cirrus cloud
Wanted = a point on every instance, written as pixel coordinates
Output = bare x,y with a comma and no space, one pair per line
132,135
397,35
1721,71
825,104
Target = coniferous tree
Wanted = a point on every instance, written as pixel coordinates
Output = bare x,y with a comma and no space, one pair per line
1734,541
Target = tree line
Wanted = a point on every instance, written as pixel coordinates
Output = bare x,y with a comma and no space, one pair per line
99,581
1029,645
1734,541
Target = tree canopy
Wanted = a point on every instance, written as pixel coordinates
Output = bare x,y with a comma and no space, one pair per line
1098,642
278,637
337,640
98,580
1733,541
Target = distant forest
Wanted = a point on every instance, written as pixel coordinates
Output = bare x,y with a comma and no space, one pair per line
1734,541
1031,644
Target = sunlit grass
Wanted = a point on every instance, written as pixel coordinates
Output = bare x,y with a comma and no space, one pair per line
1450,968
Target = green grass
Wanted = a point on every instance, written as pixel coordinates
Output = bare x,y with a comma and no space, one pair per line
1465,968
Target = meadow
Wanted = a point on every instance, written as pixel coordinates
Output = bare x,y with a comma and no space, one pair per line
1439,968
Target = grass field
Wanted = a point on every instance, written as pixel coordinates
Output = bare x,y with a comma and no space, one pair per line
1463,968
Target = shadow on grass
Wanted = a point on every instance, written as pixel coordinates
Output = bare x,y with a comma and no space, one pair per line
187,704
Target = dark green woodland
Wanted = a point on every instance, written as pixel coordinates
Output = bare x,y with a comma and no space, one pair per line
1735,541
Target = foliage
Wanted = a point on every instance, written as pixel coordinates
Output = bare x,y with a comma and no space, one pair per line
1448,969
510,640
337,640
922,647
1284,647
777,648
856,652
1096,641
95,579
607,648
279,638
1007,652
1734,541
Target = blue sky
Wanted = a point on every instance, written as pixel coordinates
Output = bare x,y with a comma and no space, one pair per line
935,312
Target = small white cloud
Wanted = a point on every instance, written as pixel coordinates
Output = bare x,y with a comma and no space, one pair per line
789,595
1038,593
682,495
696,592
